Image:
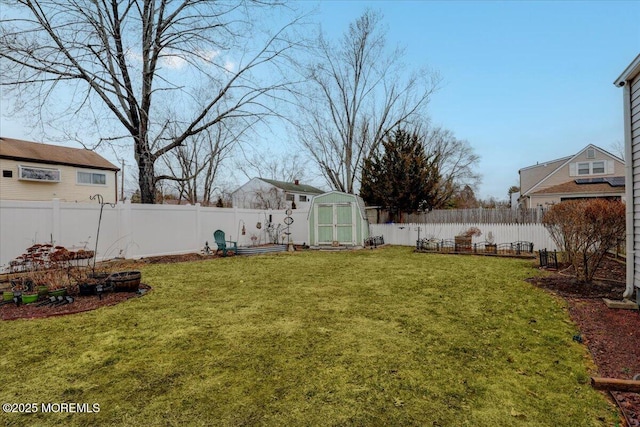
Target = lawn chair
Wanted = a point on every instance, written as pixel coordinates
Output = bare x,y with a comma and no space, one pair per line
224,245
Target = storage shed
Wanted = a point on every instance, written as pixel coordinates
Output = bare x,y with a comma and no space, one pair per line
337,219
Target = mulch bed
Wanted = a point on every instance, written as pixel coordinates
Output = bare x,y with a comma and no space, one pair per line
80,304
611,335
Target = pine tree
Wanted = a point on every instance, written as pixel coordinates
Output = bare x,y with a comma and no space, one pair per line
401,176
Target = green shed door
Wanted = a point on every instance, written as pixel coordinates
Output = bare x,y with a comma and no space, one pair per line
335,223
325,224
344,223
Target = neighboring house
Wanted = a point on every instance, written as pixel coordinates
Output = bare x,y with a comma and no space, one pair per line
260,193
591,173
35,171
629,80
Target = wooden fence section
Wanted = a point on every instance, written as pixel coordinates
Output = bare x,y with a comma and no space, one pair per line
448,216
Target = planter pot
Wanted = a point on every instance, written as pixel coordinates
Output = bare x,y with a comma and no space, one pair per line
29,298
87,288
463,243
99,278
7,296
43,291
58,292
125,281
491,248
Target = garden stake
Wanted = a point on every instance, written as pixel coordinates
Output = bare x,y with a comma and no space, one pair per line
102,204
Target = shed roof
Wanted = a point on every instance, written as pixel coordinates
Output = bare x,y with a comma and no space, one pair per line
340,196
293,187
36,152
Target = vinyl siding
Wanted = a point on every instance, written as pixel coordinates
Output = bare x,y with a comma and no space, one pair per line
634,122
532,175
66,190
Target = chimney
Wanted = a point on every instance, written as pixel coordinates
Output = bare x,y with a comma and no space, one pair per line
296,182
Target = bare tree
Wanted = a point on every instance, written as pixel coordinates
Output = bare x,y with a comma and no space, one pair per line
281,167
358,92
617,148
118,61
456,160
193,167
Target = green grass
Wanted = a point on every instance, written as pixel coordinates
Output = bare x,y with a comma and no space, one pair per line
385,337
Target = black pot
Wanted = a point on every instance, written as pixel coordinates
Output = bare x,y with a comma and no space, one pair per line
87,289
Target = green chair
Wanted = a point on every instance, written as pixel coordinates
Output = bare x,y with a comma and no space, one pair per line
224,245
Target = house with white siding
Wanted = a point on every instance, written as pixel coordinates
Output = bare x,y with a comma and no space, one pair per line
590,173
262,193
35,171
629,81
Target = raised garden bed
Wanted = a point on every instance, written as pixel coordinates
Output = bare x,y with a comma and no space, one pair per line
520,249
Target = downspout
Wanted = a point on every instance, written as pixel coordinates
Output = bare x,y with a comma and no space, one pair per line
628,169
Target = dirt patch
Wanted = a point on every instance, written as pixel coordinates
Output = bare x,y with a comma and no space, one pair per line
611,335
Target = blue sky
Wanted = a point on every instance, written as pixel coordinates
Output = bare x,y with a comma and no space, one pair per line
522,81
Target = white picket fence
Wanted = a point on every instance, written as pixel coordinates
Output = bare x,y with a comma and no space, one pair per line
408,234
134,230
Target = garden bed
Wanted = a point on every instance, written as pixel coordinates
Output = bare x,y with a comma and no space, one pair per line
612,335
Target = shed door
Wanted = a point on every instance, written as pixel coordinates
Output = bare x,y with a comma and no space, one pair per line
344,223
335,223
325,224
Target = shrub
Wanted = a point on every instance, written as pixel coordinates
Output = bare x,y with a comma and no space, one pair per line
586,230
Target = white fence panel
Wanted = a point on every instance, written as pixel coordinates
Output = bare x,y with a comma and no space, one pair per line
22,224
407,234
135,230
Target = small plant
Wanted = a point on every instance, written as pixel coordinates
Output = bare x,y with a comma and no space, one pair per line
471,232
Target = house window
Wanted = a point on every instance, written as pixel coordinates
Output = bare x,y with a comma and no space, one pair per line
598,167
303,198
92,178
290,197
7,174
39,174
583,169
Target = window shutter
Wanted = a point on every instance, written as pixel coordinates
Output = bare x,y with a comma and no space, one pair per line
573,169
610,166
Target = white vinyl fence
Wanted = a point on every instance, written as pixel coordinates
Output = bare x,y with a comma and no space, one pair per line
135,230
407,234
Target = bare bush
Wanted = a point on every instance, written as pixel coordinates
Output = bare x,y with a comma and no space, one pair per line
586,230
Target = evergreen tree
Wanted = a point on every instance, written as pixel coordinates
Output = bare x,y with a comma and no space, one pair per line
401,176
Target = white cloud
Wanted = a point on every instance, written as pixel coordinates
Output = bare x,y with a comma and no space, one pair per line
230,66
174,62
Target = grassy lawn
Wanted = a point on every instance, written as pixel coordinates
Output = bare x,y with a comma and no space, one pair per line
384,337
